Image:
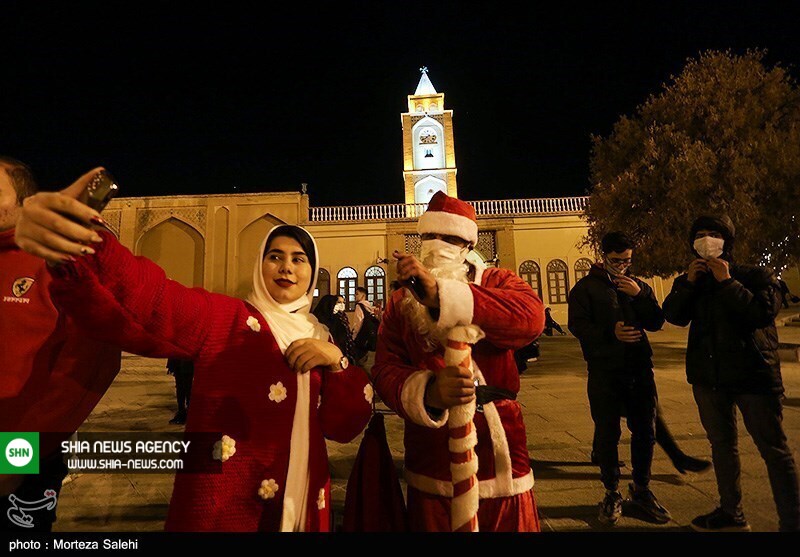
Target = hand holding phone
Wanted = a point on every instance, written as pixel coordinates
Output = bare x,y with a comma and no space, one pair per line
101,189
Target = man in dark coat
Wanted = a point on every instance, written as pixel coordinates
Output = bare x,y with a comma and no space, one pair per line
609,310
732,361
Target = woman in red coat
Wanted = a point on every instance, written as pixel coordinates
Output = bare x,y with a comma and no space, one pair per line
269,383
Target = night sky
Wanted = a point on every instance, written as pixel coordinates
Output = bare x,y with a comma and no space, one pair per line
179,98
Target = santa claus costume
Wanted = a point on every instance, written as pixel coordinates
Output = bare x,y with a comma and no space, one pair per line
408,356
266,466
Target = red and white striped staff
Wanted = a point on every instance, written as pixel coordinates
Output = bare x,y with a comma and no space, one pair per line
463,437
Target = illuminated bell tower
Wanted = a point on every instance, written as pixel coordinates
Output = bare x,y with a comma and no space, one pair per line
429,159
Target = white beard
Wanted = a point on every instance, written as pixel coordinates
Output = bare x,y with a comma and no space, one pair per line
417,314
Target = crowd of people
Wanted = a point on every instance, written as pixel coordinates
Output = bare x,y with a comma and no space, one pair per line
277,379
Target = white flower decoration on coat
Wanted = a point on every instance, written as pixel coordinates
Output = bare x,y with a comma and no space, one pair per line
253,323
321,499
319,401
224,449
268,489
368,393
277,392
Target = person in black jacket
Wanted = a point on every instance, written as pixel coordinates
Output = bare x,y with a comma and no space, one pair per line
609,310
732,361
330,312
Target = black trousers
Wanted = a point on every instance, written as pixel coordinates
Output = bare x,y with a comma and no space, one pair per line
612,396
763,418
183,389
21,507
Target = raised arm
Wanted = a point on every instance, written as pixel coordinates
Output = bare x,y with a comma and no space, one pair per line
400,383
679,304
130,301
756,304
509,312
123,299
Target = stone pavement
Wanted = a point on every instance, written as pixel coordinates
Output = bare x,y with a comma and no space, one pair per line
559,426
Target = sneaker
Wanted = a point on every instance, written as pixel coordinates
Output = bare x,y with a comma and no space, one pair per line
686,463
645,501
720,521
610,507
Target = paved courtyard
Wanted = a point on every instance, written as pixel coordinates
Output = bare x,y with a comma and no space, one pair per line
559,426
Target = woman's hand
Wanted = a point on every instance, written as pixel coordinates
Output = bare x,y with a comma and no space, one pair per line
307,353
53,225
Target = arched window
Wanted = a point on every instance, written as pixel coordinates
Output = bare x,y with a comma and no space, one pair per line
323,284
582,267
346,279
557,281
376,284
530,273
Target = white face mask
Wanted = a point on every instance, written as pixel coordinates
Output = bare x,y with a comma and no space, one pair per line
708,247
438,253
338,308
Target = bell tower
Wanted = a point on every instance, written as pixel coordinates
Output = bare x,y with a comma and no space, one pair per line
429,160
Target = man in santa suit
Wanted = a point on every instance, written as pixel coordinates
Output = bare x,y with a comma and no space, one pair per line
412,379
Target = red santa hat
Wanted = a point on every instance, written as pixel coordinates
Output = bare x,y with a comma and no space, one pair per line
449,216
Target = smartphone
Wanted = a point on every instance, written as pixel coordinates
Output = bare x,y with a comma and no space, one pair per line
101,189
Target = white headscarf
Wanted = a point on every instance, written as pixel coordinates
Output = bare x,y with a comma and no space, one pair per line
290,322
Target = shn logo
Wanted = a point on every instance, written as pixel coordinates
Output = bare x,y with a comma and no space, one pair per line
21,286
20,453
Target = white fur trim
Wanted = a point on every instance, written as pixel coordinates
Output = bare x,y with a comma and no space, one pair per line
502,454
412,397
488,489
456,305
451,224
462,471
468,333
463,444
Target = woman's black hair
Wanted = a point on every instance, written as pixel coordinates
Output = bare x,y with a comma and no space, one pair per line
301,236
324,309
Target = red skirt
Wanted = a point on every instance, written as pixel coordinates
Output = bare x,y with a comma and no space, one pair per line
431,513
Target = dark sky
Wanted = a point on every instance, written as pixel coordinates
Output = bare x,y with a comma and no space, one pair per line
177,97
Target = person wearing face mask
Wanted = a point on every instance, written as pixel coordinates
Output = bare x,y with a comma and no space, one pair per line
609,311
732,362
269,386
445,287
330,310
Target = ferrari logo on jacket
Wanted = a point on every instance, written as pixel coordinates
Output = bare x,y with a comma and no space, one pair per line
21,286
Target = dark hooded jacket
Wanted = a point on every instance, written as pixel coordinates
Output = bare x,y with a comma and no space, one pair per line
595,306
733,343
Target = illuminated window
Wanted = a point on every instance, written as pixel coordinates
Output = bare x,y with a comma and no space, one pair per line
582,267
529,271
557,281
376,284
346,279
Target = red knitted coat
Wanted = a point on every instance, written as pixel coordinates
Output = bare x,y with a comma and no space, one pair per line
238,365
